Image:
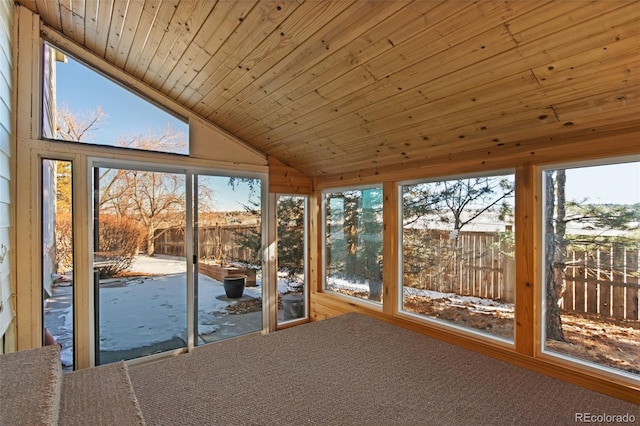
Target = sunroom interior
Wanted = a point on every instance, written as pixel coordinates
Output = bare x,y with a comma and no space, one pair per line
466,170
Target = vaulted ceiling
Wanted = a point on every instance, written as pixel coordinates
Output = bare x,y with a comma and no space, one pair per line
335,86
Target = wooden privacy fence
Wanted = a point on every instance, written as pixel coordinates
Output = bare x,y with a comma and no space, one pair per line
603,281
475,264
215,242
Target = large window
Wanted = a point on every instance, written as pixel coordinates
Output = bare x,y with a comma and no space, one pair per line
82,105
458,264
591,219
353,242
141,294
166,253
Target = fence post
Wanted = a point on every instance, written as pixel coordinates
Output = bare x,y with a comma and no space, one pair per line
509,278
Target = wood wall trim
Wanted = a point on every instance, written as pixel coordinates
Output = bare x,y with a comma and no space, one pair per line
83,288
284,179
315,243
25,206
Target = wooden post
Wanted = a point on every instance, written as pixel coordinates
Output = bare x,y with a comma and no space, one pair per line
618,282
315,259
509,279
26,277
527,199
631,299
390,281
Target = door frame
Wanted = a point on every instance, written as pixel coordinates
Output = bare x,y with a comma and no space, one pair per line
84,157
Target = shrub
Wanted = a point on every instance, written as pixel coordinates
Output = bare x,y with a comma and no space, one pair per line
120,239
64,246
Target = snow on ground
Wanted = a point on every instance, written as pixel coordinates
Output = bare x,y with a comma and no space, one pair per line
342,284
475,304
141,311
159,264
153,309
64,332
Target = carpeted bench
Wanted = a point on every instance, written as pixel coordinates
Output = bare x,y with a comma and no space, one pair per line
33,391
31,383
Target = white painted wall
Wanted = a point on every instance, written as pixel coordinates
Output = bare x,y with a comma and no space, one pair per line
6,42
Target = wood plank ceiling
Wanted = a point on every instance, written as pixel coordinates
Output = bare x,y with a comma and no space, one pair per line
335,86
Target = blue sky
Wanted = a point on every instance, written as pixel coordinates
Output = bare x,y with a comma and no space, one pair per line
616,183
127,115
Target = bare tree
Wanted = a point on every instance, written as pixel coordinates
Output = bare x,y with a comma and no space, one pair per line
78,127
156,200
459,202
456,203
73,128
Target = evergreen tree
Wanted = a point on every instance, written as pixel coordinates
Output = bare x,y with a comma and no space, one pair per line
290,217
354,237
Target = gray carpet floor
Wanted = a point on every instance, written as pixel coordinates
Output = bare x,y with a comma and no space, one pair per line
355,370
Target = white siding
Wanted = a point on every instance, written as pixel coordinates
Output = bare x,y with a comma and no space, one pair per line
6,42
48,171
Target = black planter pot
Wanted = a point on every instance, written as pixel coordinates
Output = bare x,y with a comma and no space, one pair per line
234,285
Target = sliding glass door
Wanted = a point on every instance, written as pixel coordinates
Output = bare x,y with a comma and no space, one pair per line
169,245
228,260
140,281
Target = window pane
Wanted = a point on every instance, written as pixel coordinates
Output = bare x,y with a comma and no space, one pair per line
57,258
591,217
81,105
291,217
141,292
458,254
228,286
354,243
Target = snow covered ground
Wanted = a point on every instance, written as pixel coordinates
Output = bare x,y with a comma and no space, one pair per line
152,309
139,312
472,303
